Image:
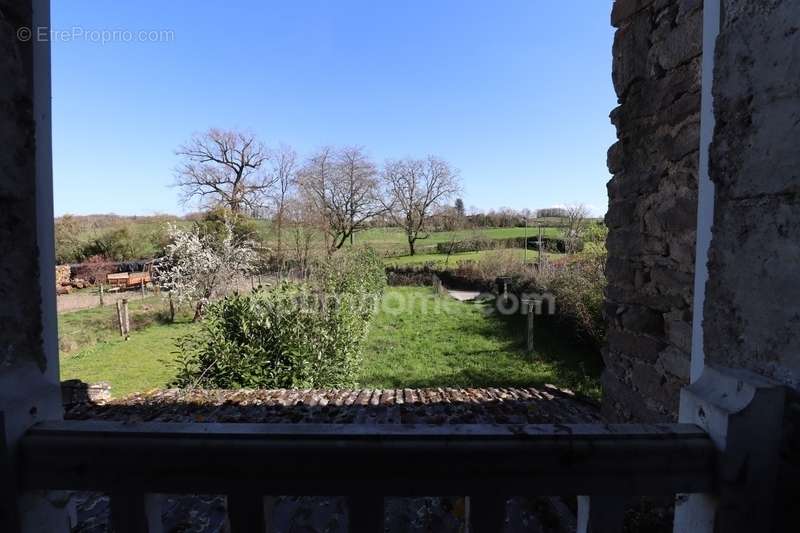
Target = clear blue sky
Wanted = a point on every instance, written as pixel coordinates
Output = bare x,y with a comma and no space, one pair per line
515,94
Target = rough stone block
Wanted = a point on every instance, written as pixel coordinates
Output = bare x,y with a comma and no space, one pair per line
630,64
643,320
623,9
639,346
677,44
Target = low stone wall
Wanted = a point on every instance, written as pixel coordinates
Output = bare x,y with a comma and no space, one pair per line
75,392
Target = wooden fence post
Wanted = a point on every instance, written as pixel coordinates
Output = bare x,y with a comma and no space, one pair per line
142,286
540,248
171,308
126,318
437,285
119,319
531,310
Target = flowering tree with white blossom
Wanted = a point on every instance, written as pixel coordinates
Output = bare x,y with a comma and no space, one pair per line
197,268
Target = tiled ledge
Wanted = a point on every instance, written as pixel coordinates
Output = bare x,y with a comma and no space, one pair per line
379,406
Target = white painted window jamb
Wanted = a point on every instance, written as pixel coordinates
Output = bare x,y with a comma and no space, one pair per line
705,187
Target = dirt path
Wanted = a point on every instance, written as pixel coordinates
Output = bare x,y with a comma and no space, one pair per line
86,300
464,296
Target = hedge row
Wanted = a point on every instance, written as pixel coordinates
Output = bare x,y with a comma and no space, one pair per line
551,244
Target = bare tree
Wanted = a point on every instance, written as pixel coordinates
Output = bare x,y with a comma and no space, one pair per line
302,223
574,219
284,173
224,168
343,186
414,190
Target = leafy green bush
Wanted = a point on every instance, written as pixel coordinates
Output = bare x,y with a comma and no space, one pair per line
296,335
596,232
359,273
213,226
472,244
117,245
69,248
478,244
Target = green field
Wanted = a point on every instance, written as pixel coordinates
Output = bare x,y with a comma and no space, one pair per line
146,232
396,236
146,361
418,347
80,329
436,341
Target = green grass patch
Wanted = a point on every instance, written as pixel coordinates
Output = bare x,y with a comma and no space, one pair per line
393,240
84,328
436,341
146,361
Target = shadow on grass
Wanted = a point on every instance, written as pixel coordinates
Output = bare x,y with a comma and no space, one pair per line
578,363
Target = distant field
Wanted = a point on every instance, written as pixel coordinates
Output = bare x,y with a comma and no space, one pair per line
394,240
441,260
386,241
396,236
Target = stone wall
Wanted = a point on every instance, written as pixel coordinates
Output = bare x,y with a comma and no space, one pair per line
20,327
752,310
652,206
752,316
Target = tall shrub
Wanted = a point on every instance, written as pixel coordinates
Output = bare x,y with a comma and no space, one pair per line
296,335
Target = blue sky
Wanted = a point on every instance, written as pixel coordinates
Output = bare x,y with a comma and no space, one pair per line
515,94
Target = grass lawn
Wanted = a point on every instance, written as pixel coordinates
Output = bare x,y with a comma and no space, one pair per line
430,342
84,328
144,362
440,342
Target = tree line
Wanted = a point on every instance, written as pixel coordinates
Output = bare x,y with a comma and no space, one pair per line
335,191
